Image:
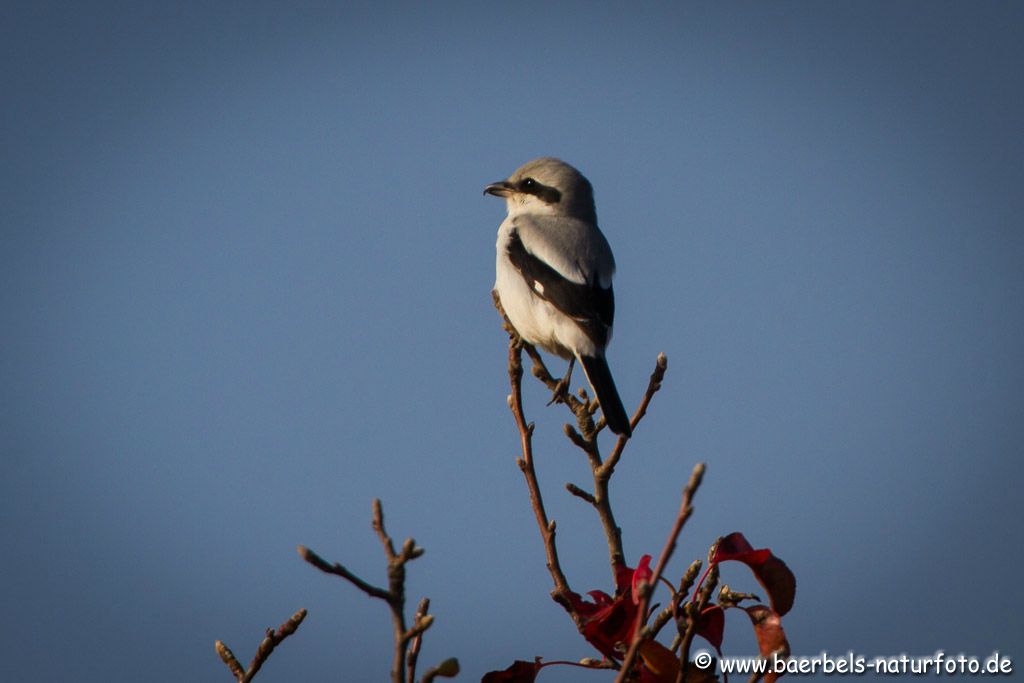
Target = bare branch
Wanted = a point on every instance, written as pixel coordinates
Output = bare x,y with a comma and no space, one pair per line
378,526
580,493
338,570
449,668
266,647
602,472
653,386
585,439
515,400
394,596
647,588
228,657
693,613
417,641
678,594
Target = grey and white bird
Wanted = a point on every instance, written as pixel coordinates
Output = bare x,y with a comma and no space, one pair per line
554,272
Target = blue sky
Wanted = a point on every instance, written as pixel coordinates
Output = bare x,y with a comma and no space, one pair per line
245,267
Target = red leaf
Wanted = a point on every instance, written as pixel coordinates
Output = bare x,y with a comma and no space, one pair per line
642,573
660,664
519,672
771,639
770,571
735,546
711,626
609,623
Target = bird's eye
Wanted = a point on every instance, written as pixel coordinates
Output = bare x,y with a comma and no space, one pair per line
528,184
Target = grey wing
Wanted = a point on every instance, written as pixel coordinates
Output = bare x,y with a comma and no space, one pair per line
588,303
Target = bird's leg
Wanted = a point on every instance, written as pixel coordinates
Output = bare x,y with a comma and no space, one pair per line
561,392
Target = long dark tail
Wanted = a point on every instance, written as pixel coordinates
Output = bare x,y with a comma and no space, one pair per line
600,378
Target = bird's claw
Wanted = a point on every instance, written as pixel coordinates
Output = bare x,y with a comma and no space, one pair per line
560,394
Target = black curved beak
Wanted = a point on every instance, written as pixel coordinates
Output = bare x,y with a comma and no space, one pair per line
499,189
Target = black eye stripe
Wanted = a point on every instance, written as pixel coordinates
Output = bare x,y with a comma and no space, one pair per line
548,195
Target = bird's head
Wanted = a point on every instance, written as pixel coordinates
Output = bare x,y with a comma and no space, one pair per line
547,186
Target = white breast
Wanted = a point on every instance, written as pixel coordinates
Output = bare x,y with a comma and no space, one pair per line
537,321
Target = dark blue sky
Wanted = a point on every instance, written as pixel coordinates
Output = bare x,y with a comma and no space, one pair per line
244,289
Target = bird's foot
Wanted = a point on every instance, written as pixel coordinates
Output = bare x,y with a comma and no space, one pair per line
560,394
561,391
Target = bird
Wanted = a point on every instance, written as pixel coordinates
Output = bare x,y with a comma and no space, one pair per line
554,271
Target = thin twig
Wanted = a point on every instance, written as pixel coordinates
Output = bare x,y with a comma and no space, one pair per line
693,615
653,386
228,657
417,641
394,595
580,493
449,668
585,439
678,594
338,570
396,589
561,591
270,641
602,472
685,510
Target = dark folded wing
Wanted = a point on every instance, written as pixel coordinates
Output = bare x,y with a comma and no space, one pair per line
590,305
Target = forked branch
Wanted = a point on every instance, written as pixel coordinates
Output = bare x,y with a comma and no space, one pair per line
270,641
408,639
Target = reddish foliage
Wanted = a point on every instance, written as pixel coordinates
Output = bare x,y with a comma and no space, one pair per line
771,639
519,672
770,571
659,664
711,626
609,623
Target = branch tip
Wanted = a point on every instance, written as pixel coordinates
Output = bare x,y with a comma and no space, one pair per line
580,493
449,668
